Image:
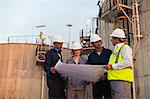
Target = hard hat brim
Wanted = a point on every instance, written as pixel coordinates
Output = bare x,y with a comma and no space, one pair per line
116,36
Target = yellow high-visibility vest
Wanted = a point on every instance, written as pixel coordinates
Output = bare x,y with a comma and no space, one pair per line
125,74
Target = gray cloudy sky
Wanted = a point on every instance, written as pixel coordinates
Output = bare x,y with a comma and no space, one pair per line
19,17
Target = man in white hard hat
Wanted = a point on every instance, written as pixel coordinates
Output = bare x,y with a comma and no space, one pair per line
120,72
55,82
100,56
75,87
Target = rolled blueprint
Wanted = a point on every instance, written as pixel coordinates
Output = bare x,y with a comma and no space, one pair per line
81,71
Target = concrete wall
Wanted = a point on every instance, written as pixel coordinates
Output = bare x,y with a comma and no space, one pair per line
105,30
143,55
20,77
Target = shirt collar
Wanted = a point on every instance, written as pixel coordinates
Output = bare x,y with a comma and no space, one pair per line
57,50
118,45
71,59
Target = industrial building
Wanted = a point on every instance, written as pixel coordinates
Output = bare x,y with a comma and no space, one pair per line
133,17
21,73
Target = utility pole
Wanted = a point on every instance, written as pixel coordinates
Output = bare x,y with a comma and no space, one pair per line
69,28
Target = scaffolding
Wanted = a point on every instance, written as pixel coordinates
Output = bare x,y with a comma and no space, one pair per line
121,14
124,15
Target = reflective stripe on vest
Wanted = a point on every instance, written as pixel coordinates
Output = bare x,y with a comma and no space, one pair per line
125,74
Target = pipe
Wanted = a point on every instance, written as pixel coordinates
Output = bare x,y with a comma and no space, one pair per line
129,42
134,46
42,85
96,31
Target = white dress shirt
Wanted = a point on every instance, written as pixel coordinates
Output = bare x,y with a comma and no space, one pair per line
126,55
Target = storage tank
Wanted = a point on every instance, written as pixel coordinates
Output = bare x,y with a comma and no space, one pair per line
20,76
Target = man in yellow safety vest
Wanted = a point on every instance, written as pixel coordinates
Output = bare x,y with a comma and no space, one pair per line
120,71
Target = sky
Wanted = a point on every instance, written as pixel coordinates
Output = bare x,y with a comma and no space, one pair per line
20,17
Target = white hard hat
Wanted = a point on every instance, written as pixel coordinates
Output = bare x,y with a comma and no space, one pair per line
58,39
76,45
95,38
118,33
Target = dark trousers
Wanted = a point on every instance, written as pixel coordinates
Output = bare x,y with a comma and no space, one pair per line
101,90
56,88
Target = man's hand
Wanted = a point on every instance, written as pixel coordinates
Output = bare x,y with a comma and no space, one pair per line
53,70
108,67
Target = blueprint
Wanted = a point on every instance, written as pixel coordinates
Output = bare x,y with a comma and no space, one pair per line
81,71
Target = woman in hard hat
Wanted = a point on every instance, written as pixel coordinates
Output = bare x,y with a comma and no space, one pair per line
75,87
120,71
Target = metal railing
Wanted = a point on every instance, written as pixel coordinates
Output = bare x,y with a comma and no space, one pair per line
27,39
19,39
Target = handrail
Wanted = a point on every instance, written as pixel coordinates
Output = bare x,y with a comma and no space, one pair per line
28,39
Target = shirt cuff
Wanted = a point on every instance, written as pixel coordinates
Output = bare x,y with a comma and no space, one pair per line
114,66
105,71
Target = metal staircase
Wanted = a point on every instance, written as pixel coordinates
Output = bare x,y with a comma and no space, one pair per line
41,49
